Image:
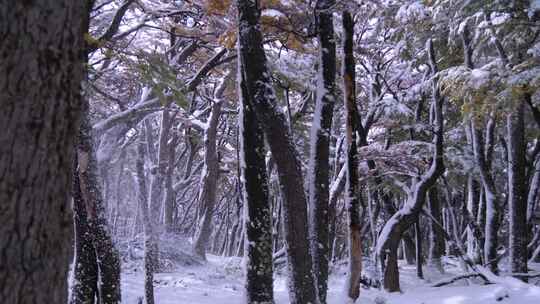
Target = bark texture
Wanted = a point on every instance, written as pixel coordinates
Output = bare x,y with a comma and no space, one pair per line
257,209
319,169
351,186
517,189
107,256
436,235
40,76
85,272
274,124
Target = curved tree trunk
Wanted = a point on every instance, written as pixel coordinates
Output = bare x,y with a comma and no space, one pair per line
392,232
209,178
274,124
40,94
491,199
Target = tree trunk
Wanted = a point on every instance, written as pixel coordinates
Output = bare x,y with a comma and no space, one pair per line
418,245
159,171
473,232
150,244
89,186
391,234
274,125
319,168
257,210
517,192
84,288
436,236
209,178
40,94
170,194
491,199
351,186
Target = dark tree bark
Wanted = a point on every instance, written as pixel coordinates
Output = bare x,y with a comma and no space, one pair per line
274,124
392,232
40,95
85,271
108,260
257,208
517,189
319,168
418,254
352,188
436,236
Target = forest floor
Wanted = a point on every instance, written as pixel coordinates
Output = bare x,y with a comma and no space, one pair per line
220,281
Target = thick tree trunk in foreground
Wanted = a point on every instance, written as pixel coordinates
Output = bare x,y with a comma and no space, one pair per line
517,189
319,168
257,208
392,232
40,94
351,186
274,124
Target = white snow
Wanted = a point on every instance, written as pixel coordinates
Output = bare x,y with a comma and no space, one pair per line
221,281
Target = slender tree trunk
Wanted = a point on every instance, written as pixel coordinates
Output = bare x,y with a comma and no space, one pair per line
302,289
352,188
159,172
436,236
491,200
150,242
209,178
473,240
40,94
319,168
257,210
517,194
170,194
418,245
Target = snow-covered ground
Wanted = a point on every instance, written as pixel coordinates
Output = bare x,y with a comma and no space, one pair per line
220,281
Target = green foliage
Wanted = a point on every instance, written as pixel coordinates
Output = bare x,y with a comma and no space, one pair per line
156,73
